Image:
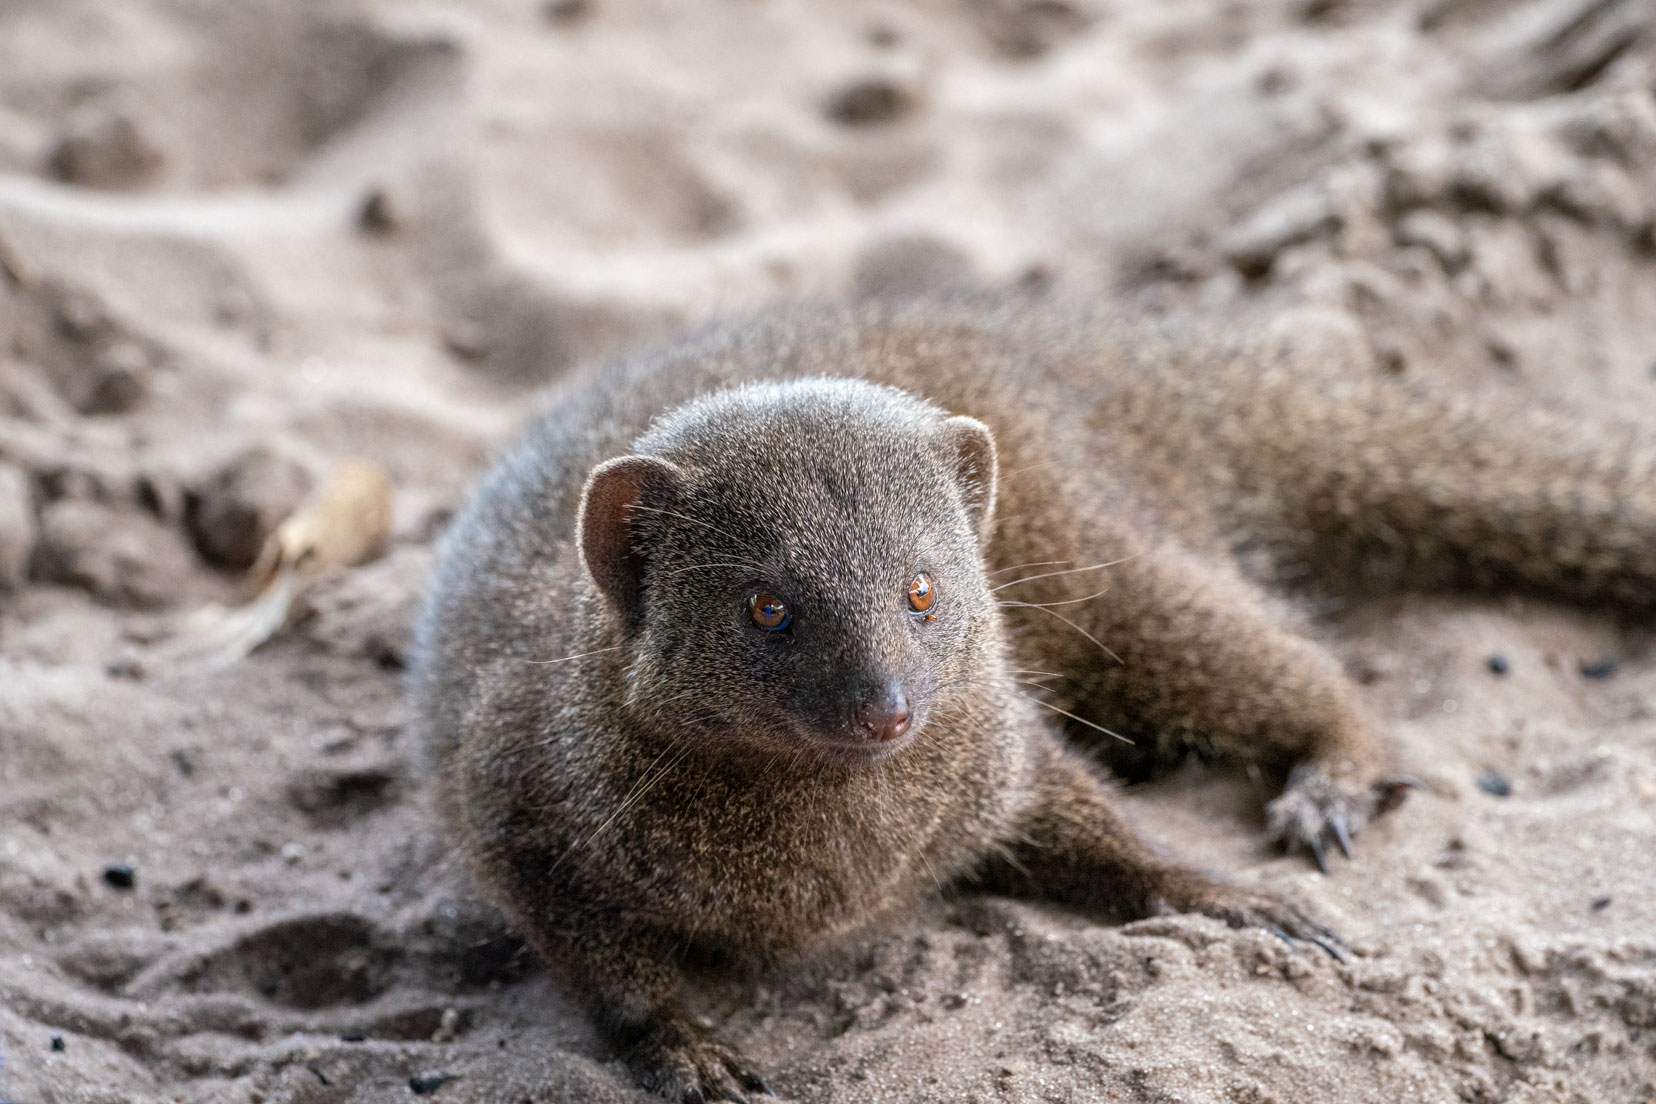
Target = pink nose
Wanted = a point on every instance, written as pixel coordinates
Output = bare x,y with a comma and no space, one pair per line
886,721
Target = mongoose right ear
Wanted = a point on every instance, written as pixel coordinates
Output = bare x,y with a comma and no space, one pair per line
975,468
611,523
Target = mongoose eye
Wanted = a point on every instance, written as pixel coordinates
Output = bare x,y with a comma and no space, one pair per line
769,612
922,594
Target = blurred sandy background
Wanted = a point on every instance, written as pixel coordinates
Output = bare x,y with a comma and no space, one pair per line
242,240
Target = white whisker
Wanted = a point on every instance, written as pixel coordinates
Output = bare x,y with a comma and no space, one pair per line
1065,602
567,658
1071,624
1055,574
1016,567
1081,720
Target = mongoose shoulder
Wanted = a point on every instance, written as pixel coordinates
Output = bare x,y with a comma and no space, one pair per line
727,651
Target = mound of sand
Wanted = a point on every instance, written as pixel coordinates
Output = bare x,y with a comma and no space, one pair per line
241,240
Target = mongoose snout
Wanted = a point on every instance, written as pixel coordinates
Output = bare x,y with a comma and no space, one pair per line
886,719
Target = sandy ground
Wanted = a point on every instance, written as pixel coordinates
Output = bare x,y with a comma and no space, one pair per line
241,240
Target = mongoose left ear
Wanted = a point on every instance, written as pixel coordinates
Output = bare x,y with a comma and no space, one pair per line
616,509
975,471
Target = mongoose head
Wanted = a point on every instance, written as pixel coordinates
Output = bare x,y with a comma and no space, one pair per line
797,565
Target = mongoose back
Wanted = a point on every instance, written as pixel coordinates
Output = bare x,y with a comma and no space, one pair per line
728,652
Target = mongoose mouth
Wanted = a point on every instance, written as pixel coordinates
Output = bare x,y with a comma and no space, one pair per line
864,748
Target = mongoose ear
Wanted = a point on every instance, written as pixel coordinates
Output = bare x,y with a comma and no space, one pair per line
974,450
614,501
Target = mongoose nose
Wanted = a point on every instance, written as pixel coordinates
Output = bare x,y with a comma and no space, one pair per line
886,720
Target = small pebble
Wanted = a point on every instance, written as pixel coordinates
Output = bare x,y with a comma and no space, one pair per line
1600,904
103,147
124,669
380,213
566,12
17,526
232,511
869,101
292,853
466,341
59,1045
1498,664
120,383
882,36
430,1082
1494,784
1602,669
120,875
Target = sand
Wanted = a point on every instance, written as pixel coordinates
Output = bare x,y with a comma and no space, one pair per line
242,240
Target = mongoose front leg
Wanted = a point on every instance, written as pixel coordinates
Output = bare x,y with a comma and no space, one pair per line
1199,657
1072,845
633,986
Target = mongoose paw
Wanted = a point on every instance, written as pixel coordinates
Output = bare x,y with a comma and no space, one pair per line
1316,813
1246,907
681,1062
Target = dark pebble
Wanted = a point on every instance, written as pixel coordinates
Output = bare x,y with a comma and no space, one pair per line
232,511
566,12
124,669
1602,669
869,101
423,1083
120,875
59,1045
380,212
1600,904
1494,784
1498,664
883,36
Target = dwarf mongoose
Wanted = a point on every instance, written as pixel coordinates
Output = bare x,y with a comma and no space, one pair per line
750,639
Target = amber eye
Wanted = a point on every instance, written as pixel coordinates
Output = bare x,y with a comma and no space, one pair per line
922,595
769,612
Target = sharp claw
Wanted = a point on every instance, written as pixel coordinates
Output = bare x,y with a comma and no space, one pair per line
1342,833
1285,937
694,1096
1328,940
1315,843
757,1084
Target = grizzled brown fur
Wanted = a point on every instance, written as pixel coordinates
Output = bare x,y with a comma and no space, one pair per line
637,771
